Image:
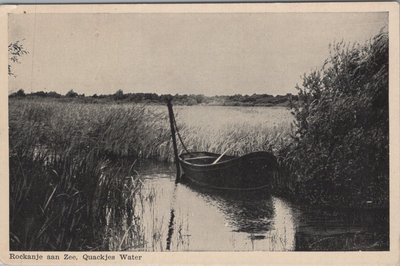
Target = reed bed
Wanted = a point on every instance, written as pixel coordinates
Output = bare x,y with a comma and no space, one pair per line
236,139
73,184
63,195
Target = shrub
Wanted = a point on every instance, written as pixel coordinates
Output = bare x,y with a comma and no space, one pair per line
340,153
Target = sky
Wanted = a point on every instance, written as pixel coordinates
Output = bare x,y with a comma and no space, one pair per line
197,53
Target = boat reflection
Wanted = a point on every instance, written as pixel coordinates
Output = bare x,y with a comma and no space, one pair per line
262,217
246,211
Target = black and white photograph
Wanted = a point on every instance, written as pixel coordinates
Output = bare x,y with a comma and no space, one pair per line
218,131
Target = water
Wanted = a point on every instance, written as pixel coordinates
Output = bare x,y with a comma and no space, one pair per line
223,117
183,217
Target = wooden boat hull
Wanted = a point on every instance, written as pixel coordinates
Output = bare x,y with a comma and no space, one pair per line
248,172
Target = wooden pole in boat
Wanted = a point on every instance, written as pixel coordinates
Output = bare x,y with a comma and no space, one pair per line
171,121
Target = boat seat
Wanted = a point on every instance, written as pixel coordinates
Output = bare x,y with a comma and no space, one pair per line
200,157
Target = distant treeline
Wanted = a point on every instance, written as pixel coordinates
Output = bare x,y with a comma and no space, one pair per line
179,99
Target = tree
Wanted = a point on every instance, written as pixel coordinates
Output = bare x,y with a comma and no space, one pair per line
15,51
19,93
71,94
119,95
53,94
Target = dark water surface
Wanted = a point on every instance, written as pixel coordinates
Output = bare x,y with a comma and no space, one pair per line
184,217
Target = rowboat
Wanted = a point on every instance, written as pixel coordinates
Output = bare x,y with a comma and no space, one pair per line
251,171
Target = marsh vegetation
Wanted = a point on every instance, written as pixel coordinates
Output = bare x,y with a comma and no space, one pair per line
72,153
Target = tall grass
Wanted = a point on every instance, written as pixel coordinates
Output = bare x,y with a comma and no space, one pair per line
114,130
238,139
61,190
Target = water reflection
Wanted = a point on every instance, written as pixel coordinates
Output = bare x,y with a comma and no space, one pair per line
185,217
